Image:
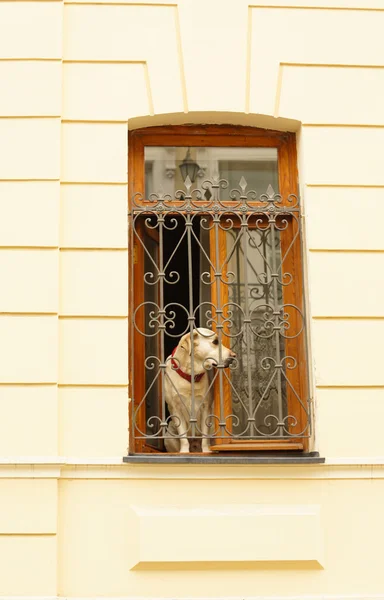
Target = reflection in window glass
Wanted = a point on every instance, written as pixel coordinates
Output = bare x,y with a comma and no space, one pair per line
163,173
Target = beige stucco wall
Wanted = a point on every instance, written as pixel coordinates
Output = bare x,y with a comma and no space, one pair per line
74,521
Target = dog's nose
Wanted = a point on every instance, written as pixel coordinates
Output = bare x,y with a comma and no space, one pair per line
231,358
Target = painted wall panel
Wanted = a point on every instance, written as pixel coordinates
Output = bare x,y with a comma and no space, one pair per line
325,4
30,280
29,565
18,156
19,40
298,37
29,422
81,551
94,152
29,213
347,284
360,515
347,352
94,283
334,218
323,94
30,88
116,33
94,351
255,531
343,155
28,352
94,216
349,422
93,421
104,91
125,2
28,506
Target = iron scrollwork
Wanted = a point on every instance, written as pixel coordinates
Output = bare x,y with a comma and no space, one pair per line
254,275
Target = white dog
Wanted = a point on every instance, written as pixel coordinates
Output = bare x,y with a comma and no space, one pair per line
205,353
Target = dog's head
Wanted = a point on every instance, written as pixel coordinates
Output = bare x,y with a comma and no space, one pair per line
204,348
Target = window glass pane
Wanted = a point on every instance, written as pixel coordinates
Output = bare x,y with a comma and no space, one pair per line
164,167
258,391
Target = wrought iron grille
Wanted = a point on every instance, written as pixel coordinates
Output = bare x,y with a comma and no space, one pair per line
226,261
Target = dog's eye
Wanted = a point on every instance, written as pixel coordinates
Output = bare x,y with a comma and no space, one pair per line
216,342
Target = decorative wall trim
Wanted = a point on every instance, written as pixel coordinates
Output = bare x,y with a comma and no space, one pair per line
302,542
117,461
303,597
56,467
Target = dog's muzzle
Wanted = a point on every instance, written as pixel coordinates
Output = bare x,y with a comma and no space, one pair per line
228,361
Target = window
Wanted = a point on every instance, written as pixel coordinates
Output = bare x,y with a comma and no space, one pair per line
219,253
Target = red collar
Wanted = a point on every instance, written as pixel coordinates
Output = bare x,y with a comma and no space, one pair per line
197,377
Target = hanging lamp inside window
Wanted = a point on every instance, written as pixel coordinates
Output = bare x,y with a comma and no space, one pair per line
189,168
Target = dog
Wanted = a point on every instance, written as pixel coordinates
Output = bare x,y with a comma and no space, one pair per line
203,349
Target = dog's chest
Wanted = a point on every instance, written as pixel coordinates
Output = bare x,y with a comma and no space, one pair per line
182,390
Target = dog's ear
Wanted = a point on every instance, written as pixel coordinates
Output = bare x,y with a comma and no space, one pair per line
195,337
185,341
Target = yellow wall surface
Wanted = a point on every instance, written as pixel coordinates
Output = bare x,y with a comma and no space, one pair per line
74,520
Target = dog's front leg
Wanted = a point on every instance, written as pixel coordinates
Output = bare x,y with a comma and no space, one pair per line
179,417
184,442
182,431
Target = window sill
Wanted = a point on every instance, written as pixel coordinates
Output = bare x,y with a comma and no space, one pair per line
283,458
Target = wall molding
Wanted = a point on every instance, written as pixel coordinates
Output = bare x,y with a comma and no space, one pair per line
59,467
302,597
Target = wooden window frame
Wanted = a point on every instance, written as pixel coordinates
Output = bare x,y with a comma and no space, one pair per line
222,136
